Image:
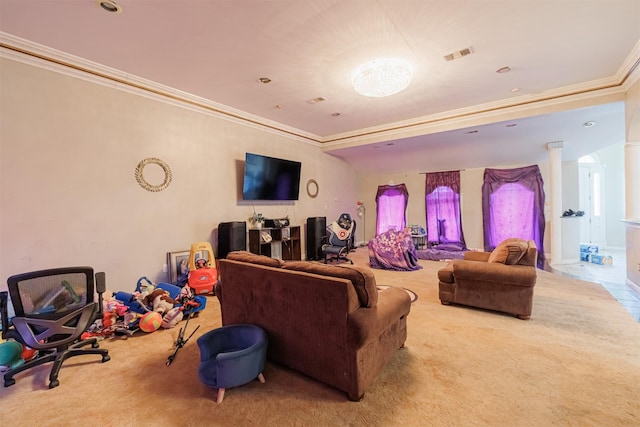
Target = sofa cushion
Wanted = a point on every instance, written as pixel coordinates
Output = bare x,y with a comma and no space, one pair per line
509,251
362,278
245,256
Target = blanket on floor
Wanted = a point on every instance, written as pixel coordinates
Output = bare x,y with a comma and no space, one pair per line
439,254
393,250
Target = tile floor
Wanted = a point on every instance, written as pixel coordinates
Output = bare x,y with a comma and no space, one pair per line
612,277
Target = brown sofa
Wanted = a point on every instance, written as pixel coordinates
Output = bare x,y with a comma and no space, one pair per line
326,321
502,280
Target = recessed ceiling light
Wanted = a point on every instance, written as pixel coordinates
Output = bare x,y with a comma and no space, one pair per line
510,125
264,80
316,100
335,114
503,70
472,131
515,89
279,106
109,5
589,124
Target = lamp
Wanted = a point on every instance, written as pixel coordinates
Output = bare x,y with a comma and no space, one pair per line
382,77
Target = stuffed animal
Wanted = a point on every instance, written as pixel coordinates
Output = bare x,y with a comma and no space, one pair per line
10,355
112,305
172,318
145,287
160,300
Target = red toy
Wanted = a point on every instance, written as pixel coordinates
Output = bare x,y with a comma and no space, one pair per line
203,275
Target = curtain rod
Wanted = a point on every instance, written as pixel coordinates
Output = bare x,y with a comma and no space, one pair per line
457,170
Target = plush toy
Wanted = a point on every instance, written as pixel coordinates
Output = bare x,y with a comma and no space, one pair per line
112,309
117,307
143,289
10,355
160,300
172,317
108,319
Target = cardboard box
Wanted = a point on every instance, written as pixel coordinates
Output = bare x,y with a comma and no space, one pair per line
600,259
590,249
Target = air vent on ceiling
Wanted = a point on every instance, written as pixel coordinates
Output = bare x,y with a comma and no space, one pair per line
316,100
458,54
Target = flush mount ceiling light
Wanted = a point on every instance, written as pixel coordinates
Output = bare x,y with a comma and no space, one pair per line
109,5
382,77
589,124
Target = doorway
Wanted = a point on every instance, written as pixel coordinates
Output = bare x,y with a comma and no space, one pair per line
590,200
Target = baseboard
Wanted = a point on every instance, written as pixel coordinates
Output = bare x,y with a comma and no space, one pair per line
634,286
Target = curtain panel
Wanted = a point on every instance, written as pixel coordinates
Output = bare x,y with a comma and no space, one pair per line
391,208
513,206
442,206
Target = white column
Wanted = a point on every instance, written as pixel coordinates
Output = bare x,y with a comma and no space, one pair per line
555,166
632,180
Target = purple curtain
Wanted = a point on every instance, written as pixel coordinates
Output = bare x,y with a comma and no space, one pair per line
391,208
442,204
513,206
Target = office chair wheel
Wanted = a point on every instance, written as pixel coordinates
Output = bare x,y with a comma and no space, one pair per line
95,345
9,382
54,383
106,358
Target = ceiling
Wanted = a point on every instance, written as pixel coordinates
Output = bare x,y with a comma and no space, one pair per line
570,63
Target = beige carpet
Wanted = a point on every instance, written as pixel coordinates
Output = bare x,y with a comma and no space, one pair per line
575,363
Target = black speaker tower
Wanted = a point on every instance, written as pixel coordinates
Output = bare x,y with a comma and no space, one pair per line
316,231
232,236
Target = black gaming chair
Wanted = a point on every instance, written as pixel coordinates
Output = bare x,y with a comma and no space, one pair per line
52,309
339,239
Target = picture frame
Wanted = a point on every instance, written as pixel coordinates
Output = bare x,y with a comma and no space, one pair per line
178,266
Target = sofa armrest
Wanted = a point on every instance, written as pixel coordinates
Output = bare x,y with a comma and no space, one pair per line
477,256
368,323
478,271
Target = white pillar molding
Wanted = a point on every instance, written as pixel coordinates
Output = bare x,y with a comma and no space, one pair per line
632,184
555,163
632,180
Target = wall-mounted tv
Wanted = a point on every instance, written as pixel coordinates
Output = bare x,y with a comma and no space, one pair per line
269,178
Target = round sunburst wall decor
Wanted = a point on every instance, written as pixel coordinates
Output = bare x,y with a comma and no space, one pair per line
139,173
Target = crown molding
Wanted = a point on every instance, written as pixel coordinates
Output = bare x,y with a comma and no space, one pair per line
595,92
30,53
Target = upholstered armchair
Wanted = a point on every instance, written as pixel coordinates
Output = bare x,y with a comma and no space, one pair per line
231,356
502,280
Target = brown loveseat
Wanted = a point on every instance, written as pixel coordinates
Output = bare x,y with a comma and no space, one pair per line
328,322
502,280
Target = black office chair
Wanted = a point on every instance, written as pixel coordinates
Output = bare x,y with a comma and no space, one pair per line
52,309
339,238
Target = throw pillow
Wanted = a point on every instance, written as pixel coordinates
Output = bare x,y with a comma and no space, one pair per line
362,278
509,251
245,256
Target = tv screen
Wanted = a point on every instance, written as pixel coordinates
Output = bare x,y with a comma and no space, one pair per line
269,178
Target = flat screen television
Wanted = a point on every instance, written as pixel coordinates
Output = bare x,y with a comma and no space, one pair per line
269,178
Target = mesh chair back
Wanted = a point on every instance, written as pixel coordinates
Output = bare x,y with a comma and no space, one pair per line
51,293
